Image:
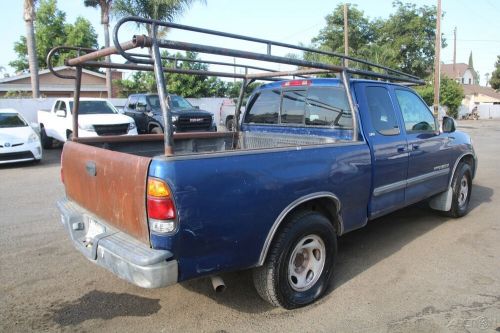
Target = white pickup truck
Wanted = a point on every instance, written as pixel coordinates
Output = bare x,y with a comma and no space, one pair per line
97,117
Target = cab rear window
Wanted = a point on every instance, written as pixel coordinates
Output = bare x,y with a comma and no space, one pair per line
310,106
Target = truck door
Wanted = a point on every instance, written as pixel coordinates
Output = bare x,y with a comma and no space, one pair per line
141,119
130,111
58,126
428,167
383,129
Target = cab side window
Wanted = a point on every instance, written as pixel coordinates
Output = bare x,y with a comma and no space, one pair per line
293,106
131,103
328,106
142,103
264,108
382,112
417,116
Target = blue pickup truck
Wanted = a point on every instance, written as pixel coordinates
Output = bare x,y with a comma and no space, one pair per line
310,160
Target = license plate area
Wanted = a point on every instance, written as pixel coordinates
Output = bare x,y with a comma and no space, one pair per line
94,228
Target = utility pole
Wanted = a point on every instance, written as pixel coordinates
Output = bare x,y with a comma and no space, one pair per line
455,53
346,36
437,61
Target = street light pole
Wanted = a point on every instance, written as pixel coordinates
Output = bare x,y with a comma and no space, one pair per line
437,61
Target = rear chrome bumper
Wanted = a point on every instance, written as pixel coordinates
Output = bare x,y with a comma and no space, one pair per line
121,254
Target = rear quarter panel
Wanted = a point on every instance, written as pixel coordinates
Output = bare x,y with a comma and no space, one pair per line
227,203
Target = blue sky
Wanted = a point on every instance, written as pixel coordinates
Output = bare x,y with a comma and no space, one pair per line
295,22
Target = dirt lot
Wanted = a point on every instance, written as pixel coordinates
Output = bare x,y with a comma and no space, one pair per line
411,271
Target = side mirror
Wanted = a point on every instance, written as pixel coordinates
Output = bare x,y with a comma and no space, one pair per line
449,125
196,107
61,113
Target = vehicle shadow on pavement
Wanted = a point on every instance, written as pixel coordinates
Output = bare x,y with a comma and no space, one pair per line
480,195
240,293
103,305
358,251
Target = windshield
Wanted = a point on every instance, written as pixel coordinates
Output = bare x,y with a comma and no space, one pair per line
178,102
94,107
11,120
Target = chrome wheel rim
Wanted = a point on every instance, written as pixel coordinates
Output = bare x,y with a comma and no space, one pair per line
306,263
463,191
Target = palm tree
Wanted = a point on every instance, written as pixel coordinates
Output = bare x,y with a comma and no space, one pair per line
105,6
163,10
29,17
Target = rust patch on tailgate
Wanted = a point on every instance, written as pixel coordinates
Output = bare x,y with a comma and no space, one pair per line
109,184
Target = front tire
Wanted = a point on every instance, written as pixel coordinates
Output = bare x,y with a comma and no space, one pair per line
300,263
461,187
156,130
230,125
47,141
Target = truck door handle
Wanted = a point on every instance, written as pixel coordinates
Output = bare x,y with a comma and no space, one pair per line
401,149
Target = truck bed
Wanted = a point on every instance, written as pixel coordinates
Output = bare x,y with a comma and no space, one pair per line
152,145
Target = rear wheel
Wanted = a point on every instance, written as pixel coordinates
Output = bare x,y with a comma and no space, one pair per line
300,263
230,125
156,130
461,187
47,141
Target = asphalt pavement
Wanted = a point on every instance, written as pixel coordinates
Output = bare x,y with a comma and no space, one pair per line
411,271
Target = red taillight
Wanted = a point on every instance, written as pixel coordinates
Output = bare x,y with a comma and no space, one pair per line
159,200
296,83
161,209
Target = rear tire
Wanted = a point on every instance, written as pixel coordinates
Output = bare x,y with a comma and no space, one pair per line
299,266
230,125
156,130
47,141
461,187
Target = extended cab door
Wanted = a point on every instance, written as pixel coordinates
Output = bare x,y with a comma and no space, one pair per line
58,122
428,167
383,129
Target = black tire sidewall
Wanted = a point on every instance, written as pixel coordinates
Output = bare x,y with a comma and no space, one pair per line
45,140
311,224
463,169
230,125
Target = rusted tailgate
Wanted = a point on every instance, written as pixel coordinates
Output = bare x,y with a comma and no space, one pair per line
109,184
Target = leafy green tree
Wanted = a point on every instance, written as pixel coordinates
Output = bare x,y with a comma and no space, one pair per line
495,76
105,6
451,95
52,30
410,32
405,40
182,84
361,31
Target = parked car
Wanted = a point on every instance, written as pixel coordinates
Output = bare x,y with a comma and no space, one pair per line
226,113
97,117
18,140
145,109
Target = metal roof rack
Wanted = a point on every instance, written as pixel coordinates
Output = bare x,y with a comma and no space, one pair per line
153,62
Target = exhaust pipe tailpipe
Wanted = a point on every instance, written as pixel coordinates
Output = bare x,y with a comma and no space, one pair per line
218,284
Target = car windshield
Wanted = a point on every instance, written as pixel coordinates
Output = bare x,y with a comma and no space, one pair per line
11,120
94,107
178,102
